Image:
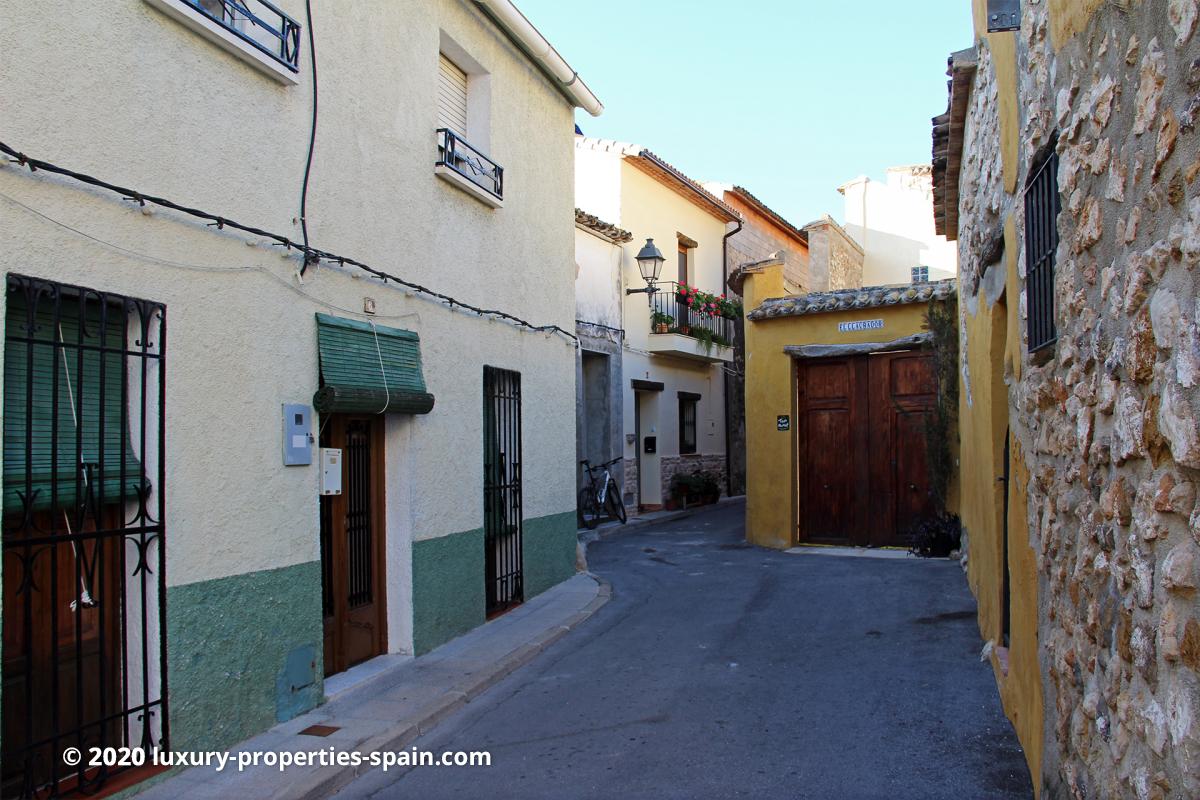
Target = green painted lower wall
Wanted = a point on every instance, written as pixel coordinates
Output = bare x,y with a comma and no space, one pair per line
244,652
448,576
447,590
549,547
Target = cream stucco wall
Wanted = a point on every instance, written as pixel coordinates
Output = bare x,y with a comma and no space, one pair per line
893,221
598,284
612,188
134,97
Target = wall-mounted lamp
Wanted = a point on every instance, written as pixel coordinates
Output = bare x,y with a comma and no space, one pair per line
650,260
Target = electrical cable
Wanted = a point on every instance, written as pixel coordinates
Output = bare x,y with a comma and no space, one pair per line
207,268
312,136
317,255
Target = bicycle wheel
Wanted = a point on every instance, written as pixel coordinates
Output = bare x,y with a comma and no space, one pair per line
616,508
589,514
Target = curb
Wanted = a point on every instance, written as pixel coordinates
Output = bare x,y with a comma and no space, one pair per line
322,784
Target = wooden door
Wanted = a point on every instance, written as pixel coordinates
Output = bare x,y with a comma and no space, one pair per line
352,545
863,475
62,662
832,462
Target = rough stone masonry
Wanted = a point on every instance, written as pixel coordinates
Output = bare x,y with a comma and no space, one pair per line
1109,423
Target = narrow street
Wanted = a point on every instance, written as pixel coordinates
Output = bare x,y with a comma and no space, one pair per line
724,670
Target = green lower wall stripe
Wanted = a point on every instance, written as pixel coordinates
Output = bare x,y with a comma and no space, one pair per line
448,576
244,652
549,548
448,590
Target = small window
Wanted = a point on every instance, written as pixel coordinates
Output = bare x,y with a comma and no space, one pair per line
452,96
920,274
1042,206
687,422
683,263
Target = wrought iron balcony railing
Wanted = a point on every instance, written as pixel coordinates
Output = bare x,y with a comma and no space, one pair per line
668,314
258,23
457,155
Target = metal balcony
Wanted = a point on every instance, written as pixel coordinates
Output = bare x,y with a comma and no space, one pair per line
680,331
471,170
258,23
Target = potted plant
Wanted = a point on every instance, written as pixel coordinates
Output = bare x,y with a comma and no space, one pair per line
706,338
660,322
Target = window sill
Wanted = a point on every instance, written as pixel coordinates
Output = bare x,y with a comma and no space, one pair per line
478,192
191,17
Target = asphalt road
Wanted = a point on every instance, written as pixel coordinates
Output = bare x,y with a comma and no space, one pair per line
722,670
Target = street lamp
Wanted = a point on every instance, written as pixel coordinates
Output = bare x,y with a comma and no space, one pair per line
650,260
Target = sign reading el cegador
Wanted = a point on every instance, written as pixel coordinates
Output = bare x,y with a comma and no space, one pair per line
861,325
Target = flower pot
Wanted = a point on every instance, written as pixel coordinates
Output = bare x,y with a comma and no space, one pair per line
661,327
685,329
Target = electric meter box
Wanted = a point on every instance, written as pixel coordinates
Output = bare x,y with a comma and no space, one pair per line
331,471
297,435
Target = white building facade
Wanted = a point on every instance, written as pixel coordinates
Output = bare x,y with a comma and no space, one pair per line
171,379
892,220
673,355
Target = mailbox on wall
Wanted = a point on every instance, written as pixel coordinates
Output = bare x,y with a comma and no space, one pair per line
651,444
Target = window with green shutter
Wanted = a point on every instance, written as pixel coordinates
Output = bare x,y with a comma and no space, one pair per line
66,393
367,368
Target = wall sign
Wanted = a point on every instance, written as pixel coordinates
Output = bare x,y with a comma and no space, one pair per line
862,325
783,423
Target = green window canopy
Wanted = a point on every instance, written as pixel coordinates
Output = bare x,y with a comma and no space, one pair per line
66,407
369,369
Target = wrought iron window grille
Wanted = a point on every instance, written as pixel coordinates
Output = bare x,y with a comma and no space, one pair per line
457,155
258,23
1042,207
84,658
503,526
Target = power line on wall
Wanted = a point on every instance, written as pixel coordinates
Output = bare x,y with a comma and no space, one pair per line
310,254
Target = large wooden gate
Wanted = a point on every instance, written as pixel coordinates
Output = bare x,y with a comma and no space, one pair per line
863,475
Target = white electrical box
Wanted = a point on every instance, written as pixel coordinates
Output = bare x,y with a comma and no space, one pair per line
331,471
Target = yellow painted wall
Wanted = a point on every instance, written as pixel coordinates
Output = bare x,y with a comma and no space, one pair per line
770,392
993,349
1003,47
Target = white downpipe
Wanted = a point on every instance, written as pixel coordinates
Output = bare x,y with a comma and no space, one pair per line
523,31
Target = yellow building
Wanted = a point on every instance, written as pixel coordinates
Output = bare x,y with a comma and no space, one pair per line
839,387
1066,169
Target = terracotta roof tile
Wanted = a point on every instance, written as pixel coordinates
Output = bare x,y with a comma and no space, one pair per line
850,299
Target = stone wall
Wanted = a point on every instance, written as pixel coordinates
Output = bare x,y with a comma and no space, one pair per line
835,259
1108,423
673,465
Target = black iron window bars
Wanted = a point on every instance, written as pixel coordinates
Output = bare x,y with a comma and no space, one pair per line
260,24
84,662
1042,207
502,492
458,155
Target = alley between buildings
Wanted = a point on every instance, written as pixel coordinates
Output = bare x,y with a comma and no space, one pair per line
724,670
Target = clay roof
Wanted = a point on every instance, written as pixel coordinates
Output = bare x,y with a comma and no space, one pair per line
852,299
749,199
658,168
948,130
605,229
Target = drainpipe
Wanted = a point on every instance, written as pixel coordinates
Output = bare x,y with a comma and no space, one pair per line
510,18
728,377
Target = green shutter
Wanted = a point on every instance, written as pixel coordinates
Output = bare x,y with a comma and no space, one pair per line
367,369
89,429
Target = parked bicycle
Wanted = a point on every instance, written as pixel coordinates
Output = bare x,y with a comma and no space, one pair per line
600,497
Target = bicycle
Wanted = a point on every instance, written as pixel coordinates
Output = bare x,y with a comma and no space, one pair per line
600,493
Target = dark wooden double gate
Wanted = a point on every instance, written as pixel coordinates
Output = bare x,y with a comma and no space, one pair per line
863,475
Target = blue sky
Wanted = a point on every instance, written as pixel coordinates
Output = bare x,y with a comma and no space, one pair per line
789,98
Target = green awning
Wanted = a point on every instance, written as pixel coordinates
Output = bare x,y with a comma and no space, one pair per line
369,369
89,450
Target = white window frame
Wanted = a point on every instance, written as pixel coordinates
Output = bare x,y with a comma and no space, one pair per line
195,19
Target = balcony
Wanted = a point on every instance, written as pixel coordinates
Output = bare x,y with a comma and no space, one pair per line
683,331
470,170
254,30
